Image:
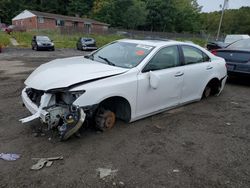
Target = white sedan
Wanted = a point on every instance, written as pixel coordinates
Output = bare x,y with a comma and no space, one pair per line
126,79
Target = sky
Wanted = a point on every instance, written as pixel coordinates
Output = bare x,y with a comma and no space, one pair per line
214,5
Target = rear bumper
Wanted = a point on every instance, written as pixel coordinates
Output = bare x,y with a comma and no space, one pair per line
238,68
223,82
238,73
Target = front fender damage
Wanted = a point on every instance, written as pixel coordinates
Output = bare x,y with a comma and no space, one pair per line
67,118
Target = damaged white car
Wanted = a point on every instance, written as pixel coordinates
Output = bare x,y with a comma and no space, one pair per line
126,79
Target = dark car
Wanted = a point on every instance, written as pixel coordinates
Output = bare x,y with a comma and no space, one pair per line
86,44
213,45
237,56
42,43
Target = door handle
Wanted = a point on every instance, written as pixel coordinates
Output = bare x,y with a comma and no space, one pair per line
209,67
178,74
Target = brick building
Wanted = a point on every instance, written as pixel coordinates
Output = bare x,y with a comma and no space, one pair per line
35,20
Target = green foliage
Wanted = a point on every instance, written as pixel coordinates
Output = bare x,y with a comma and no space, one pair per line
79,7
135,15
155,15
23,38
234,21
4,39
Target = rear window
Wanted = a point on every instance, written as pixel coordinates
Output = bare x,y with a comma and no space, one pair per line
241,44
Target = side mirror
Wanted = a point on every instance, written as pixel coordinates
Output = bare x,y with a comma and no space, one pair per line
51,40
154,80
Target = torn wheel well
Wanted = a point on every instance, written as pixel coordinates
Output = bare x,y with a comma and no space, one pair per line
119,105
215,85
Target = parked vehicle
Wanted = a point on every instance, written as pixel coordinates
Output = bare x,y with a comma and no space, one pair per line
126,79
86,44
42,43
237,56
233,38
213,45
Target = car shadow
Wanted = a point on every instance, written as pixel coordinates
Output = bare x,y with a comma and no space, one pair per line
239,80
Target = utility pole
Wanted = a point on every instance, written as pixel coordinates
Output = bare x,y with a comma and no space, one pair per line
221,18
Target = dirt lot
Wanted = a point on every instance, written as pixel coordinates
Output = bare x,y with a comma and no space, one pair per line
204,144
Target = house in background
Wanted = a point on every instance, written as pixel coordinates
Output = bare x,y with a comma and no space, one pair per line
35,20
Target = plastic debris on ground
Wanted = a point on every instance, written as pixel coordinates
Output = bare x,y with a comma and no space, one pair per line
104,172
44,162
176,170
234,103
9,156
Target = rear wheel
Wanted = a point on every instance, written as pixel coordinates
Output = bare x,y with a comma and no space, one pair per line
105,119
207,91
212,88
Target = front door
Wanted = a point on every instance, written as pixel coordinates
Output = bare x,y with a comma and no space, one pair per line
165,68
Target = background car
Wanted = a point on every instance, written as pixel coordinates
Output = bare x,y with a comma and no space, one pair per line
233,38
237,56
42,43
86,44
213,45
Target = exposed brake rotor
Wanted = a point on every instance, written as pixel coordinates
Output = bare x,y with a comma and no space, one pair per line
105,119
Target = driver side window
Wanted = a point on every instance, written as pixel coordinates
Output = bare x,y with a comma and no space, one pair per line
165,58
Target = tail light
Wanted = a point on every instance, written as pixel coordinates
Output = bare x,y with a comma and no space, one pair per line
214,52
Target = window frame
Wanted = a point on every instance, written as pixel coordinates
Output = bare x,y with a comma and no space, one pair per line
179,53
40,20
204,55
60,22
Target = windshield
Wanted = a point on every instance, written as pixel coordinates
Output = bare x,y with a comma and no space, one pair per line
241,44
42,38
122,54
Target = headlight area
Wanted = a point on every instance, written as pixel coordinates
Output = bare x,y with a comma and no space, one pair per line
63,115
56,110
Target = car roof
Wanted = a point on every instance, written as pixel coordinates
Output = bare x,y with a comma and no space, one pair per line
156,43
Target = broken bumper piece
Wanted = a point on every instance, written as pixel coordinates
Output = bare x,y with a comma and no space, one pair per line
51,114
37,112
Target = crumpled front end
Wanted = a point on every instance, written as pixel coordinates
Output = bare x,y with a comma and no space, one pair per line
55,109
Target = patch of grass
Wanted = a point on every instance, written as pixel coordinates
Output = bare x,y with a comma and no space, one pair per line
23,38
4,39
62,41
69,41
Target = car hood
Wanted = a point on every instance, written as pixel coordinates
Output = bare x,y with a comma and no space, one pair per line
63,73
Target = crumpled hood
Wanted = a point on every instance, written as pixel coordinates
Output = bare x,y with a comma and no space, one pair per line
62,73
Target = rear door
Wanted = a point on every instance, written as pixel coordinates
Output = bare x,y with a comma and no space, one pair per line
197,70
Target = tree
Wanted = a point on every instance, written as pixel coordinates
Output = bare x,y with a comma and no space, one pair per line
79,7
187,16
160,15
112,12
135,15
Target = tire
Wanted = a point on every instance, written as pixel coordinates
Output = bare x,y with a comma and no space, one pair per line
207,92
105,119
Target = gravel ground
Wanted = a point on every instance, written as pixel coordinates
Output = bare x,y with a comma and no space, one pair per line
203,144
